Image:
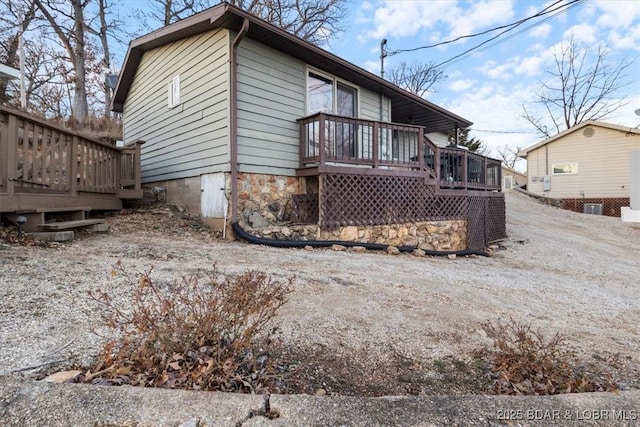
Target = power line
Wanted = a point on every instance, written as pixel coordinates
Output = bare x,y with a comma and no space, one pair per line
395,52
502,131
560,9
509,27
558,12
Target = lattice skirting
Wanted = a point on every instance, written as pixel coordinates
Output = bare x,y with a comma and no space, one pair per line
486,220
610,206
347,199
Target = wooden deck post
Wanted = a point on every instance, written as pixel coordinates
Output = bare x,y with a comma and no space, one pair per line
11,141
137,165
376,145
421,150
322,138
72,166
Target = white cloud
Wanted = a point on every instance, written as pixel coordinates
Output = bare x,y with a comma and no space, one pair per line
496,107
460,85
581,33
495,70
617,14
541,31
410,18
629,40
480,15
372,66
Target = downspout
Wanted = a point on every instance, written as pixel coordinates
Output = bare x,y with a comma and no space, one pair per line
233,120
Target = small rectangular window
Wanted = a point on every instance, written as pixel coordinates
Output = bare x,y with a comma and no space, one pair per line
173,92
565,168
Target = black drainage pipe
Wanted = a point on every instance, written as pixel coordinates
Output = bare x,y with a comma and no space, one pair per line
240,232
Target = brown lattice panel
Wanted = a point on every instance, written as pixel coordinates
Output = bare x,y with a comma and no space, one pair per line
610,207
362,199
373,199
486,221
305,208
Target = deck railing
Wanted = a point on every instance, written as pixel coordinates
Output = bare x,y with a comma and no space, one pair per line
327,139
39,157
460,168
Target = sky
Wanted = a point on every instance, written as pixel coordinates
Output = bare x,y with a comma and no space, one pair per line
490,85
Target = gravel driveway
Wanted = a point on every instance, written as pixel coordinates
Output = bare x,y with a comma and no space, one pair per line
372,315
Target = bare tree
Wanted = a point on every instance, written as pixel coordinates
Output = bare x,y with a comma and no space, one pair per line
315,21
508,155
103,30
11,15
582,86
418,78
69,26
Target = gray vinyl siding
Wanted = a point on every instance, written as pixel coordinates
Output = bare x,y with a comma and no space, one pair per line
191,138
370,106
271,97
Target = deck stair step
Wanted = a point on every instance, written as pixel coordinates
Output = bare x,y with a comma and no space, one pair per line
67,225
42,216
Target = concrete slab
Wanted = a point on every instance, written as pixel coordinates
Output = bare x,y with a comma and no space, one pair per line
30,403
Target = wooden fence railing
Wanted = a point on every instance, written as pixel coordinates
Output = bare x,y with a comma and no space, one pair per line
330,139
39,157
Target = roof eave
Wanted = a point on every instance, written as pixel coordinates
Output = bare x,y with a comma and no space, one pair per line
231,18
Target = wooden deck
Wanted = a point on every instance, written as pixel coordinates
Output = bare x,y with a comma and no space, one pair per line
336,144
45,168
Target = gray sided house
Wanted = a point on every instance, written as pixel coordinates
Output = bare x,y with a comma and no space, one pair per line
243,122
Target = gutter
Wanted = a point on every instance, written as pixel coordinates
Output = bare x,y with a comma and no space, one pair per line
233,119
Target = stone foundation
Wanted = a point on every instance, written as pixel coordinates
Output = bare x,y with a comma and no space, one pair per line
265,200
265,205
432,235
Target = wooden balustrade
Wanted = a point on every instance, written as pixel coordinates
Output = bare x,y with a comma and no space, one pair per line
42,158
345,141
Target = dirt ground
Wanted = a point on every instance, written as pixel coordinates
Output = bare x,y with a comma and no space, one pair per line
357,323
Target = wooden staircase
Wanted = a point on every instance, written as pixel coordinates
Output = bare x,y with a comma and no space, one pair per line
56,224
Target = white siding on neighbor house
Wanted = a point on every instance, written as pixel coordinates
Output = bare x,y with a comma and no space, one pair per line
191,138
272,91
603,164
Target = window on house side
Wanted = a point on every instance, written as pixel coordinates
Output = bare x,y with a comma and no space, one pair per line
565,168
173,92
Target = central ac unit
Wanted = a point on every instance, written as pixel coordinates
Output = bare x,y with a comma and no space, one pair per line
593,208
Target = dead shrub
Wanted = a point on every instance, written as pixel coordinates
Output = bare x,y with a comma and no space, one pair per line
524,361
203,332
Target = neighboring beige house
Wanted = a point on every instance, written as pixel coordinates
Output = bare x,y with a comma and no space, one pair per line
244,122
587,167
512,178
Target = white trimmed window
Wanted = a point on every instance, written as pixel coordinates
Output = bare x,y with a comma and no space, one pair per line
564,169
173,92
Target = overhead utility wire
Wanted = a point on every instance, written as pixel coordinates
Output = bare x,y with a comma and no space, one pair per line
570,6
559,10
541,13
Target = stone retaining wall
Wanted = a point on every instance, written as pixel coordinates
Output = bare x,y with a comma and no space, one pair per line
265,199
432,235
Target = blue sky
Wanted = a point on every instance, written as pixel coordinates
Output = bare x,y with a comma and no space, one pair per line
490,86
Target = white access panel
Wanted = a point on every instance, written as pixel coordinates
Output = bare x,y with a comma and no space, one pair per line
213,202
